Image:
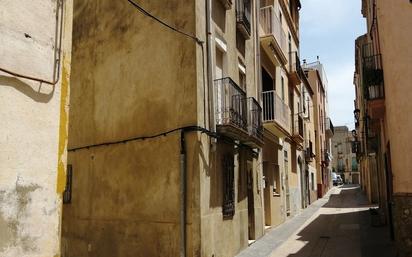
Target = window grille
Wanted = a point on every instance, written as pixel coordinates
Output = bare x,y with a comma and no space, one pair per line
228,208
67,194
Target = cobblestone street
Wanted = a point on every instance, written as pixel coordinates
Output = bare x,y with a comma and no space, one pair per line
337,225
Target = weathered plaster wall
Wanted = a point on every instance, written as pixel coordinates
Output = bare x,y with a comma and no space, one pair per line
34,126
274,204
226,237
394,33
131,77
130,207
394,21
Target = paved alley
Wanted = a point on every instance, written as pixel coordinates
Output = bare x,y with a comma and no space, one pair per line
337,225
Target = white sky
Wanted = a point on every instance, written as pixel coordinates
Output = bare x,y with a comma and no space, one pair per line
328,29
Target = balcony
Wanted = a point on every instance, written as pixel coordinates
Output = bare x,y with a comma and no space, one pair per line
273,37
276,114
255,125
227,4
329,129
373,77
237,117
298,130
373,82
295,70
309,155
327,158
372,144
231,113
243,17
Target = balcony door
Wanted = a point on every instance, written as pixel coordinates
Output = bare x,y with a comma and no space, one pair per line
219,73
268,86
267,81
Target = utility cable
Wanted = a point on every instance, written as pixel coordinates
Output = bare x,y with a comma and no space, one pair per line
186,128
141,138
142,10
165,24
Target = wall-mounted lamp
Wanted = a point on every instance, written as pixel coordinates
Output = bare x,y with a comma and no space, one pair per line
354,133
356,113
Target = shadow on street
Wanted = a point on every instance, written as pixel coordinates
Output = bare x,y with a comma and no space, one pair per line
344,229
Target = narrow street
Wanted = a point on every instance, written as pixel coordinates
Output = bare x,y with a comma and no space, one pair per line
337,225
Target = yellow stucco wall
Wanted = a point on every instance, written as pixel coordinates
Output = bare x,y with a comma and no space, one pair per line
131,77
226,237
395,34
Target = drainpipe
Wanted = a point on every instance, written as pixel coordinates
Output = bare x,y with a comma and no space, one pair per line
257,46
182,194
212,125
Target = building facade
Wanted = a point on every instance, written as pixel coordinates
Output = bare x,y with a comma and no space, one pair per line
382,97
155,133
35,55
344,161
281,78
322,124
309,185
165,130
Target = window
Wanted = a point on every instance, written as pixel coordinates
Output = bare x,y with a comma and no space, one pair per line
276,181
219,72
283,88
242,76
67,194
228,207
280,17
312,178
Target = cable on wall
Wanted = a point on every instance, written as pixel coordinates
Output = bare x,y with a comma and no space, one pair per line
165,24
142,10
141,138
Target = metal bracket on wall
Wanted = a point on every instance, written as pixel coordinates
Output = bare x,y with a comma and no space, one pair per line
57,51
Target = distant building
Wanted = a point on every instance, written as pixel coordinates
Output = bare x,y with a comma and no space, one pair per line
344,160
323,126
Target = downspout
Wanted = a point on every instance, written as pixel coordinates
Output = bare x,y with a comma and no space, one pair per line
182,194
212,125
259,80
257,46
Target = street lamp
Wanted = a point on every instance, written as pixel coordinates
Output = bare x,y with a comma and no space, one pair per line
354,133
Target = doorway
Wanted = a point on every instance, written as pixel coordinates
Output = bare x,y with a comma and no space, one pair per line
287,191
250,202
302,183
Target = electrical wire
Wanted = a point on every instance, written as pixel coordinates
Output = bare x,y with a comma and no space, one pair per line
196,39
186,128
142,10
141,138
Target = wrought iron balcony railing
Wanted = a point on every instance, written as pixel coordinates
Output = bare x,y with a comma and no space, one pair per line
275,110
298,127
326,157
231,108
243,16
294,66
372,72
309,155
255,125
330,130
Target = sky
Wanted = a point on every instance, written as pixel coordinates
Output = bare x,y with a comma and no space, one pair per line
328,29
